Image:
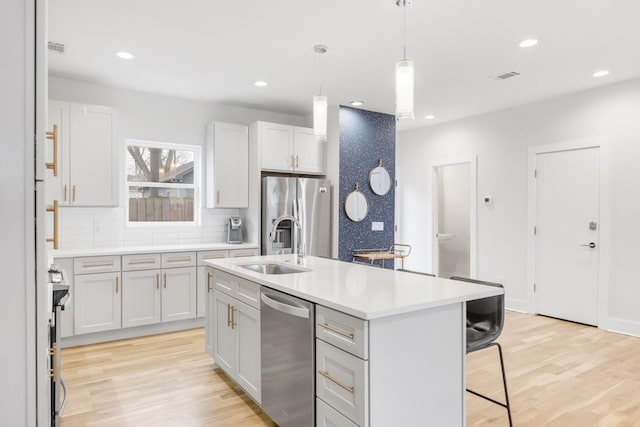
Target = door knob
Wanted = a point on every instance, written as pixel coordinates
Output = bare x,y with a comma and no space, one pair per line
590,244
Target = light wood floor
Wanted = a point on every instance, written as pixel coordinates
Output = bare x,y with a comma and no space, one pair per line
558,373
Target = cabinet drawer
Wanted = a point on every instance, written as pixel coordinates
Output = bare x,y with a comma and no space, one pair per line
140,262
239,253
96,264
342,382
326,416
241,289
249,293
205,256
179,259
346,332
225,282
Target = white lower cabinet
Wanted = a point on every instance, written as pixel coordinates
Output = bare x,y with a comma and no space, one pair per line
97,305
178,293
326,416
248,369
234,333
156,295
224,343
342,369
141,298
342,381
204,282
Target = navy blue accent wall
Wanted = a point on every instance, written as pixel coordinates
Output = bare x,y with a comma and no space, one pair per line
365,138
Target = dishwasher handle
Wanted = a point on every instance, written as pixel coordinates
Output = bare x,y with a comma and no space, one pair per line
285,308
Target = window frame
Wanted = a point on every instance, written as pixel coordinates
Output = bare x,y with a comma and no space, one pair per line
196,186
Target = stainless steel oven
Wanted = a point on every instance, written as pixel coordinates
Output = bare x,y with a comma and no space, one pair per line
59,298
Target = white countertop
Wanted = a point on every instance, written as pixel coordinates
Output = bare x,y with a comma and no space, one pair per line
359,290
127,250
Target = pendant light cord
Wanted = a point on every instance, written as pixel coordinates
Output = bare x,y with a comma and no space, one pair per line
320,61
404,29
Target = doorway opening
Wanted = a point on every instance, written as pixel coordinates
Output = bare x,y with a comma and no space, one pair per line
454,218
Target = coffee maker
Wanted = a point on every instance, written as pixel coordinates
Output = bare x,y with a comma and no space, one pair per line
233,227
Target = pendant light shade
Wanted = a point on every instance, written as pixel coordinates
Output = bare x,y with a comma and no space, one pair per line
320,103
404,89
320,117
404,73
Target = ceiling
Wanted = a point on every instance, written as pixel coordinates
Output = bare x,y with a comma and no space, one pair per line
215,49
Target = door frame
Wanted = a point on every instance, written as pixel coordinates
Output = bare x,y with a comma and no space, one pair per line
473,210
602,143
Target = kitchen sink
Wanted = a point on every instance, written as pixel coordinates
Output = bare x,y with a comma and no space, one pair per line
272,268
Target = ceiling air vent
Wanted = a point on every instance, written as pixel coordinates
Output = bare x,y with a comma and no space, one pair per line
506,76
56,47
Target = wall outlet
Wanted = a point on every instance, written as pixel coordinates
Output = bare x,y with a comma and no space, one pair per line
377,226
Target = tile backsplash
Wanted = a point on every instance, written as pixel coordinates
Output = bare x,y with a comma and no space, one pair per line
88,228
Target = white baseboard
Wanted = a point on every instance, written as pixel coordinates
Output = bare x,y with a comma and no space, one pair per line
622,326
125,333
517,305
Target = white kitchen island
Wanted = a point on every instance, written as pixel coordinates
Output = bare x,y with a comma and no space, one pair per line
390,346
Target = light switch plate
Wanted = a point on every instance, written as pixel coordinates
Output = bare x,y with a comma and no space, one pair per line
377,226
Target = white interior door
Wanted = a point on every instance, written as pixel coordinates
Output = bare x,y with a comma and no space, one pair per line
567,244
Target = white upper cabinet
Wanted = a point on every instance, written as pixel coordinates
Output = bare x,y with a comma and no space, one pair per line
284,148
88,166
227,154
309,153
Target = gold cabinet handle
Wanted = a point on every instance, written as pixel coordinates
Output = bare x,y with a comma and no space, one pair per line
117,283
157,280
65,193
293,161
142,261
165,280
208,282
53,135
183,259
54,209
336,381
73,193
229,315
337,331
233,317
218,196
97,264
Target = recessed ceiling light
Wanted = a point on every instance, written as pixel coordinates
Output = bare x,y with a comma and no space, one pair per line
528,42
430,117
260,83
125,55
601,73
356,103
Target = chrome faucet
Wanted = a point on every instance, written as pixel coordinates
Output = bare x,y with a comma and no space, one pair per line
295,221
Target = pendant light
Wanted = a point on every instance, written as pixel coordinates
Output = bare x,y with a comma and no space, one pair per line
404,74
320,103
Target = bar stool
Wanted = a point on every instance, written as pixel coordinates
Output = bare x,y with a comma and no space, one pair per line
485,319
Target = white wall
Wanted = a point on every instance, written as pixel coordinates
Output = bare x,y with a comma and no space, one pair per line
157,118
16,188
500,140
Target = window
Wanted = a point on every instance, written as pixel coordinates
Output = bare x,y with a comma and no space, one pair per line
162,182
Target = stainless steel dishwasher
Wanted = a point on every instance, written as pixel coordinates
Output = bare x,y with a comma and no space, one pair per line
288,355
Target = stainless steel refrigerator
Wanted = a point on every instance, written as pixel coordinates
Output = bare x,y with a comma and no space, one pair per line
308,200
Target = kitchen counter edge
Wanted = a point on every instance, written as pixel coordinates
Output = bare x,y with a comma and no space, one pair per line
475,291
